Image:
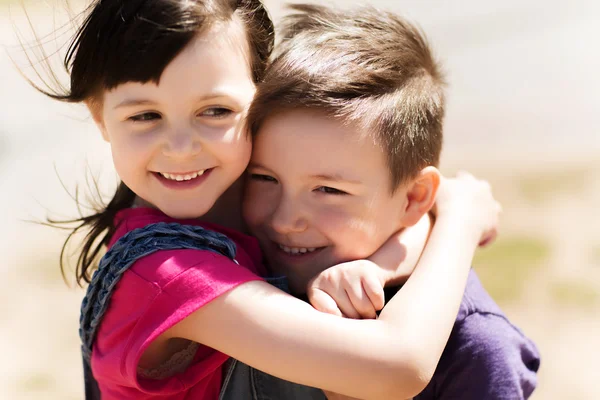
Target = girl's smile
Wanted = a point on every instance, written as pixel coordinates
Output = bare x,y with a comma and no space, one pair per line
180,143
189,180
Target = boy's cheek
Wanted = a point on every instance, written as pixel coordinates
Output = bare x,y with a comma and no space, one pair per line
255,205
352,238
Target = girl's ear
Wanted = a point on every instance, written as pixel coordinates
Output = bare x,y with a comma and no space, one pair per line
421,193
95,108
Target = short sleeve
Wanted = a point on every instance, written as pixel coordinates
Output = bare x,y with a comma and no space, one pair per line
159,291
486,358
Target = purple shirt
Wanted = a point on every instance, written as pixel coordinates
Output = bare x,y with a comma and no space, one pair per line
487,357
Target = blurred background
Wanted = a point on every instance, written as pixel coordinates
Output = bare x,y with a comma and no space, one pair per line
522,112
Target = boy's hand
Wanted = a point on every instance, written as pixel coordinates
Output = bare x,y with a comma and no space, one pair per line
352,290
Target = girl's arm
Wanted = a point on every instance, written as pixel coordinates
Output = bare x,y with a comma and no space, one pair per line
399,255
355,289
391,357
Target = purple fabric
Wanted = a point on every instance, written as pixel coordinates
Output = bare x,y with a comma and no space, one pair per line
487,357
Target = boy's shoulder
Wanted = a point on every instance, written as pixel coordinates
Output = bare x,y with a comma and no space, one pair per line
483,330
476,300
487,356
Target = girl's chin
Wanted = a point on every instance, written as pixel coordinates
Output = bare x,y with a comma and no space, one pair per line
184,211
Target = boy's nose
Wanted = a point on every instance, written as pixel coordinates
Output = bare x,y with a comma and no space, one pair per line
288,218
182,143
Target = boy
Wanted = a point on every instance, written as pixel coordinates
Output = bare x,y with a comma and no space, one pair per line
347,136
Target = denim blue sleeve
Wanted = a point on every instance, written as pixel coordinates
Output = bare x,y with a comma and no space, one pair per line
486,358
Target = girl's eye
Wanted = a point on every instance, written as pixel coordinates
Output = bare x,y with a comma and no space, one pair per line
330,190
263,178
216,112
145,117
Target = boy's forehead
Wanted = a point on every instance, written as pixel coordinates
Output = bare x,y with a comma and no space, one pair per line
326,147
314,120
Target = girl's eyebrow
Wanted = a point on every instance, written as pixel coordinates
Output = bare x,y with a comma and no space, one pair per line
144,102
133,102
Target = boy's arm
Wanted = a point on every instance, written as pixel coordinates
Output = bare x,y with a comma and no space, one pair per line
486,358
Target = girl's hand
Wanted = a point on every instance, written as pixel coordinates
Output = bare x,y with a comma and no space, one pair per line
352,290
472,200
355,289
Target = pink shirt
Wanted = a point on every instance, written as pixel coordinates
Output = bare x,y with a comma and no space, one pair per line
156,293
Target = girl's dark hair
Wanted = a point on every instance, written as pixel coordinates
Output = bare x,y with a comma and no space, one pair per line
133,41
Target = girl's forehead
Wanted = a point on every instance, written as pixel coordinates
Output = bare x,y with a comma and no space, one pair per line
210,65
231,31
221,47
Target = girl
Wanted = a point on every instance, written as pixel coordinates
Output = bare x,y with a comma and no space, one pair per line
168,83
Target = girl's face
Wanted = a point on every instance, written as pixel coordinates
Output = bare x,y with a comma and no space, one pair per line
181,143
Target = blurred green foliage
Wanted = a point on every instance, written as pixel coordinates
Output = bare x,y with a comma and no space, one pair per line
37,382
574,293
505,267
596,256
537,188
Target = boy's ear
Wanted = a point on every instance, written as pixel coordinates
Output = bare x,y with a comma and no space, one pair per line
95,108
421,194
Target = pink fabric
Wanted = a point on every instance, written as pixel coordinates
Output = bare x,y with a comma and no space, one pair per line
156,293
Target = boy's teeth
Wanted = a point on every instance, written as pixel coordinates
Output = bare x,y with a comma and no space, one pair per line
297,250
181,178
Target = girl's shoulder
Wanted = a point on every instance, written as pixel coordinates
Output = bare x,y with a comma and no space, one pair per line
168,263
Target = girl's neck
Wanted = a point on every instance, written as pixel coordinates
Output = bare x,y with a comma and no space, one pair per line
226,212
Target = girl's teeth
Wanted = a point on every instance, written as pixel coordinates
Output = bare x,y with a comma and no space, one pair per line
181,178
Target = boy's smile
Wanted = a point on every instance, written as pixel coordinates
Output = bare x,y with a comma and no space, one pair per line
318,193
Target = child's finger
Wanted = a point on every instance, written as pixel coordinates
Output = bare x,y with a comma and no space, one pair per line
345,304
374,291
360,301
323,302
337,294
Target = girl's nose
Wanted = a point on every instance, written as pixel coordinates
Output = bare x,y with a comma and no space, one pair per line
181,144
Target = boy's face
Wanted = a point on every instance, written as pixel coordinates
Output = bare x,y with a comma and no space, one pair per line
318,193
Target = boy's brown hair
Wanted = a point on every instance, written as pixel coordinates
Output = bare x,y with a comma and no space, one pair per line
363,66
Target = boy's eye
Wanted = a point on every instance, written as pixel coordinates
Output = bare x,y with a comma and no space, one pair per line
262,178
145,117
216,112
330,190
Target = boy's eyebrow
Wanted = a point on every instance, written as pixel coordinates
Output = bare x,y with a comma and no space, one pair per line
255,165
334,178
323,177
